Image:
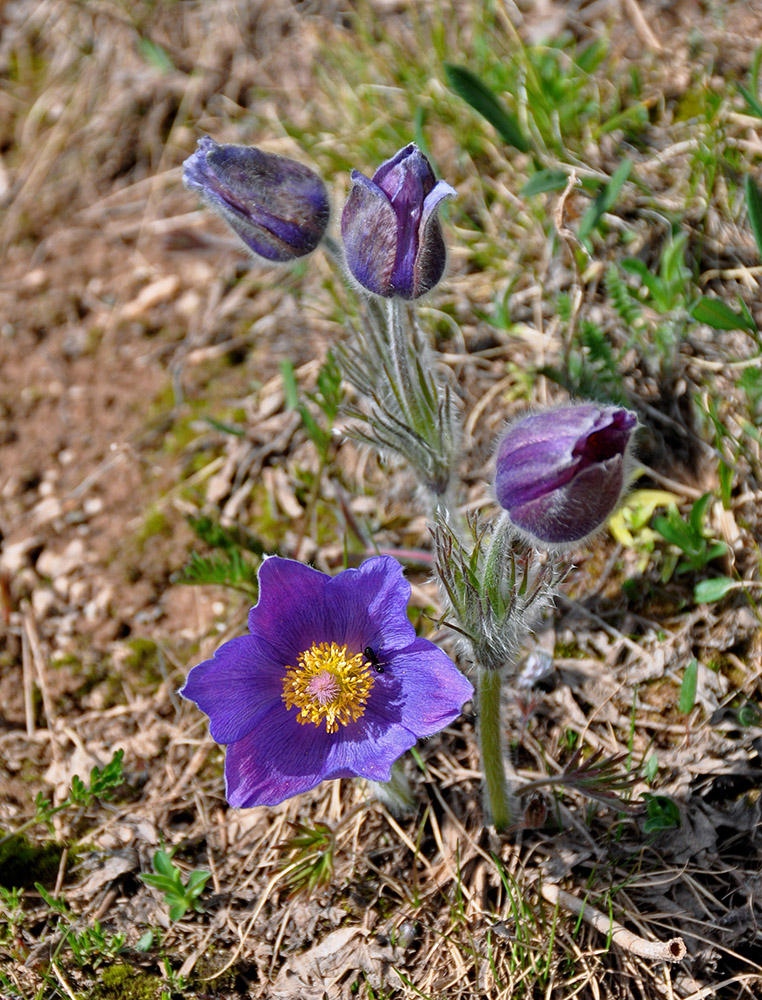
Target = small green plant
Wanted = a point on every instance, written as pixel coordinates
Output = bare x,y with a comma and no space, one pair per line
687,697
311,856
630,525
179,896
102,783
651,768
11,918
91,946
327,397
661,813
599,778
654,306
689,537
234,563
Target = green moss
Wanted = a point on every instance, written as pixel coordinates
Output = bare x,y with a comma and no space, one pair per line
154,523
22,862
568,651
122,982
143,659
207,968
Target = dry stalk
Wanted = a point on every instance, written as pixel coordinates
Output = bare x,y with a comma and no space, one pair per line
673,950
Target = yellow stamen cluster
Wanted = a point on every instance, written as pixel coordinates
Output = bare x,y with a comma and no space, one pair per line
328,685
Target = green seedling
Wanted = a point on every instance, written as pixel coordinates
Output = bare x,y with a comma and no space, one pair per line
327,397
651,768
90,946
311,856
478,95
102,783
689,536
661,813
687,697
654,305
234,564
630,525
179,896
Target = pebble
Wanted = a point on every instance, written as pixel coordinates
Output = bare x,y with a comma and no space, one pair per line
47,510
43,602
55,564
17,555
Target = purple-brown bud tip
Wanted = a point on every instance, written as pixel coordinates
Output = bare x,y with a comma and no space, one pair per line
561,473
277,206
392,238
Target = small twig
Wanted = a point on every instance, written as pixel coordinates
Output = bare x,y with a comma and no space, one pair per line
62,980
641,26
573,243
26,664
673,950
33,638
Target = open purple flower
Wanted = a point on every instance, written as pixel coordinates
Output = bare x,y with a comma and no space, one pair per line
277,206
560,473
331,682
392,237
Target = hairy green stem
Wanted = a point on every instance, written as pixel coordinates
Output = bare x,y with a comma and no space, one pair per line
491,744
398,341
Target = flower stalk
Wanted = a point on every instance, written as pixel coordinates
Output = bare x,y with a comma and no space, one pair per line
496,794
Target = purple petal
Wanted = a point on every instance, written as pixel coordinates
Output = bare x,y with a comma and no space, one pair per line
242,682
369,605
431,256
575,510
369,231
291,602
433,690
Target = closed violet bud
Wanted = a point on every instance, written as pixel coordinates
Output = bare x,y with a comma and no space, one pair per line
277,206
560,473
392,238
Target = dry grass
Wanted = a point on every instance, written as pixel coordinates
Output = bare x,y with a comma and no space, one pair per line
129,317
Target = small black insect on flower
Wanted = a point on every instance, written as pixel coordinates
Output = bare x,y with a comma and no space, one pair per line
372,659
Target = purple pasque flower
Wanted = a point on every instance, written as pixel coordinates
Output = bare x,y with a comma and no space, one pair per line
277,206
561,472
392,238
331,682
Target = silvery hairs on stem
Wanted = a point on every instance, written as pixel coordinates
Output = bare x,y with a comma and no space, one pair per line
411,410
495,586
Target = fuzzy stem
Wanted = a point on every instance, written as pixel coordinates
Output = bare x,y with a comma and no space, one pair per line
399,347
491,743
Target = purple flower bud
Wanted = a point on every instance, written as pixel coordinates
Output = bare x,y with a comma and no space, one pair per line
277,206
392,237
560,473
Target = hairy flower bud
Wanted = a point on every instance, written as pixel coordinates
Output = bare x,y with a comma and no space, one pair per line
277,206
392,237
560,473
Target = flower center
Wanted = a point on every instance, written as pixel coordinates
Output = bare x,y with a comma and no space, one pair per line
328,685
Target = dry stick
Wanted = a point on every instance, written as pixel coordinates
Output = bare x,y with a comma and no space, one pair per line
26,664
572,242
673,950
30,627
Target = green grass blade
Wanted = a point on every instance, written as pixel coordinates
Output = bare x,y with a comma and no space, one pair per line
477,94
754,205
688,688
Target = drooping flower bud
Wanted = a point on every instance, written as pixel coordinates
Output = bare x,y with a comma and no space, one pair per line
560,473
277,206
392,237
